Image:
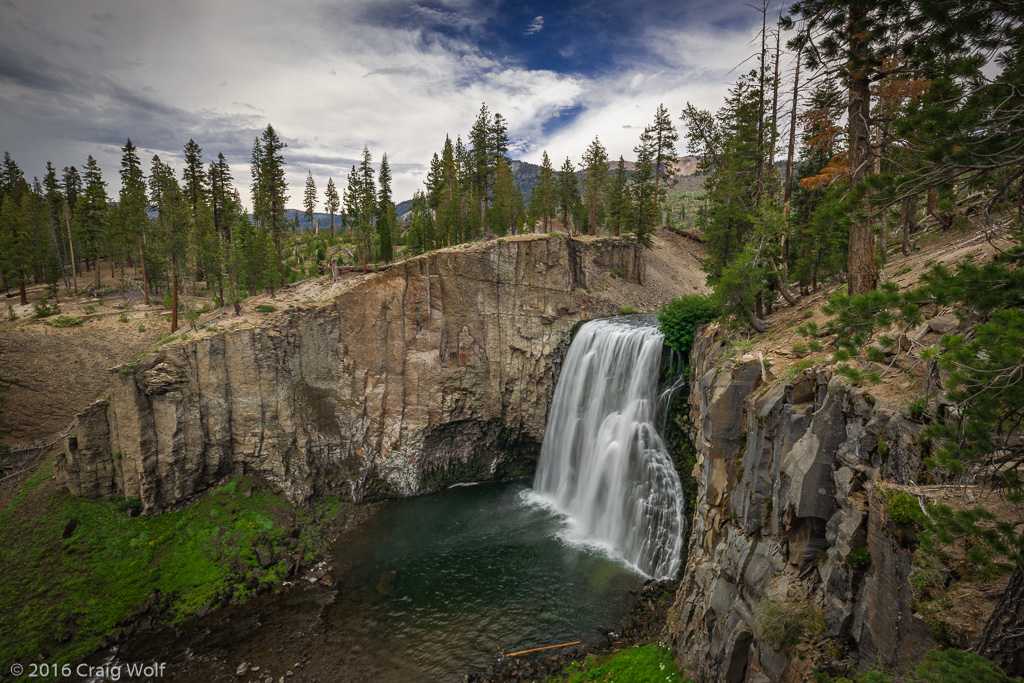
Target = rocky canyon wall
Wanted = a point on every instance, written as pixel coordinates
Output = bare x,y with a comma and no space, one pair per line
788,478
439,369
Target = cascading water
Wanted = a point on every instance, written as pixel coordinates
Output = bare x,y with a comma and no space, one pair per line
603,462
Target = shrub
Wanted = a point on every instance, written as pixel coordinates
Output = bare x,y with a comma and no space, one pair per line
860,559
957,665
815,346
902,507
123,318
11,315
918,407
781,623
680,318
66,321
142,328
627,310
265,308
45,310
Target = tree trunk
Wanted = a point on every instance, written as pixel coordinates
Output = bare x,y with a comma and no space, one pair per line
1002,640
775,112
761,106
792,141
908,212
23,292
758,324
782,289
860,264
96,262
174,294
145,279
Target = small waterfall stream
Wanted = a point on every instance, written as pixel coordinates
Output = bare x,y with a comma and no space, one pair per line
603,462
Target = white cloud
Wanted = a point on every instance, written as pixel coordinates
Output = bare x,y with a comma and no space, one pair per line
327,79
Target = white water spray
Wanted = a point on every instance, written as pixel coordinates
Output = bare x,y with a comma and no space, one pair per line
602,462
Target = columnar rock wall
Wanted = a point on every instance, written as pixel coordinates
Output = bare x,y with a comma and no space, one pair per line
439,369
786,490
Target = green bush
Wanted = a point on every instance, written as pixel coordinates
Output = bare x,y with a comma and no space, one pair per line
860,559
783,623
680,318
918,408
265,308
902,507
45,310
66,321
123,318
627,310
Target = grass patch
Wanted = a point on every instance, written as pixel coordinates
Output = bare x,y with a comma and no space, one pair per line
628,310
65,321
265,308
645,664
62,596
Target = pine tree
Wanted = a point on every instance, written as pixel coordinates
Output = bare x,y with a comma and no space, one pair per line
222,201
331,201
644,190
568,193
507,211
542,199
663,146
854,39
132,201
173,220
269,189
386,219
53,199
92,212
448,216
482,159
595,180
618,198
196,184
309,199
15,245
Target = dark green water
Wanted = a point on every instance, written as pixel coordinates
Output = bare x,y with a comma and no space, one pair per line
444,581
428,589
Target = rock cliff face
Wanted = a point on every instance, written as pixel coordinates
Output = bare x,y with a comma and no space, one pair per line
787,474
440,369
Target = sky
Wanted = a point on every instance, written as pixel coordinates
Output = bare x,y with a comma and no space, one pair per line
79,78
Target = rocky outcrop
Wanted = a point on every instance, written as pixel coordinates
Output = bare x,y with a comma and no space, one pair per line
439,369
787,473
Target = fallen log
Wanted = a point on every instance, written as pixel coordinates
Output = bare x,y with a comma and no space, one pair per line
538,649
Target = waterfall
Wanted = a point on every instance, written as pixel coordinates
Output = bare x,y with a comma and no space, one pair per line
603,463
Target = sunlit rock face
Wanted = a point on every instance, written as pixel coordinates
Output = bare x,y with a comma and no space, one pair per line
439,369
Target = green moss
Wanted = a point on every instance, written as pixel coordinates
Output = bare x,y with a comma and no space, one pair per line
645,664
61,596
